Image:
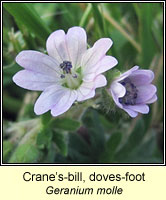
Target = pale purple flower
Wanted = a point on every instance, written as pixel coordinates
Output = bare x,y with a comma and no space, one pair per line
70,72
132,91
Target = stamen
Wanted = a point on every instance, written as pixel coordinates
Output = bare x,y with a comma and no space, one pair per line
61,65
74,76
131,93
123,83
62,76
66,66
71,78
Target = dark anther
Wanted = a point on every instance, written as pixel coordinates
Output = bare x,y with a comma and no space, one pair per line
123,83
75,76
66,66
127,80
120,100
62,76
61,65
131,93
132,85
127,102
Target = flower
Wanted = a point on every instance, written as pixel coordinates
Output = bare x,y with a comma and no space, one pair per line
70,72
132,90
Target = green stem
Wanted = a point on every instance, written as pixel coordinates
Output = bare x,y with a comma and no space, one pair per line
85,16
122,31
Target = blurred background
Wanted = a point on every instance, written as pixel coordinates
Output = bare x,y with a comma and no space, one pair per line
96,136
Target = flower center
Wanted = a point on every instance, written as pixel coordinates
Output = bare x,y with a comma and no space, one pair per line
131,93
70,78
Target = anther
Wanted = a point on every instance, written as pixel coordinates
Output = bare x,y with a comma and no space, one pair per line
66,66
61,65
123,83
131,93
120,100
62,76
74,76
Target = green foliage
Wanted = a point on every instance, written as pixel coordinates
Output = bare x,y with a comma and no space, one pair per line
98,18
134,139
25,14
60,140
136,149
44,138
25,153
78,150
8,73
112,144
7,148
46,119
90,145
66,124
146,32
102,134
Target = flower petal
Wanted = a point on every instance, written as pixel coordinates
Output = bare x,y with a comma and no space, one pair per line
93,55
127,73
89,96
38,62
33,80
131,112
138,108
64,103
141,77
145,93
85,90
152,100
49,98
56,46
76,44
100,81
106,63
89,77
117,90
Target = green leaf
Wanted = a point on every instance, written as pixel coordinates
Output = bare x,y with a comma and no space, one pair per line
96,133
145,152
119,40
60,140
25,14
133,141
85,18
107,125
99,20
147,119
25,153
45,118
111,147
51,154
44,138
147,40
79,150
66,124
7,148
